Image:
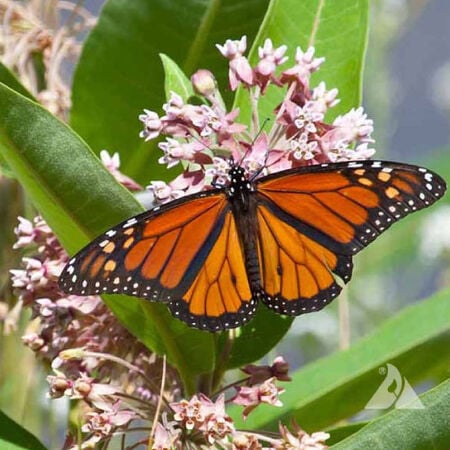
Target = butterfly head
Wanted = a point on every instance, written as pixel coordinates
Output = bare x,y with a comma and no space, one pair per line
239,180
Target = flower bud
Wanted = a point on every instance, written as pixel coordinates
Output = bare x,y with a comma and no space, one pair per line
82,387
33,341
203,82
72,353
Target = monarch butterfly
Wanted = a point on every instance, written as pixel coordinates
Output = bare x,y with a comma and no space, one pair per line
281,239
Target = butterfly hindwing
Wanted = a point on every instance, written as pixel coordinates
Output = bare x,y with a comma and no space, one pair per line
296,271
219,296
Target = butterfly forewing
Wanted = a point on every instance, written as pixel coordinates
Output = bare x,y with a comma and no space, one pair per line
156,254
345,206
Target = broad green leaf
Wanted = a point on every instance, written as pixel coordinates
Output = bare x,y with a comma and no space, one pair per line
175,79
337,30
417,429
80,199
258,337
10,80
120,72
339,433
15,437
416,341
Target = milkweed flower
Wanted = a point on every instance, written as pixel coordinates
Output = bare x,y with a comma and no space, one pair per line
203,414
250,397
29,31
166,438
112,163
240,70
278,370
246,441
300,440
203,137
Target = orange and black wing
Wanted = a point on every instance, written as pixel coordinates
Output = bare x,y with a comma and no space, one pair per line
185,253
312,220
219,297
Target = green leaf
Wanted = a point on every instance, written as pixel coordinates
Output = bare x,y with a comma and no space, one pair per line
10,80
337,30
80,199
340,433
120,73
258,337
425,429
416,341
175,80
15,437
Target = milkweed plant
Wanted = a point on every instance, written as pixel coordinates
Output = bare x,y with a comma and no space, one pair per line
123,390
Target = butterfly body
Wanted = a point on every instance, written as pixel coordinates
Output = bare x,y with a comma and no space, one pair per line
242,197
283,239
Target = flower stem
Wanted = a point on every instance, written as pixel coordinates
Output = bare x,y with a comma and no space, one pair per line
222,361
158,406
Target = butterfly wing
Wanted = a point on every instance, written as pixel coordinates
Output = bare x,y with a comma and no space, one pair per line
219,298
296,271
186,253
156,254
312,220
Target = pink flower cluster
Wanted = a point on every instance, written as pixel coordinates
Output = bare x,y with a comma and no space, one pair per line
204,415
205,422
260,386
204,137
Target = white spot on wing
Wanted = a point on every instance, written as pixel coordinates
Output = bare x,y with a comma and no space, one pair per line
130,222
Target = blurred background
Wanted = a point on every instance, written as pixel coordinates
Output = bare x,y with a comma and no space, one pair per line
407,93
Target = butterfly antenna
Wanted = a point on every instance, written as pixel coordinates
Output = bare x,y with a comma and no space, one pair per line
267,119
200,141
264,165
